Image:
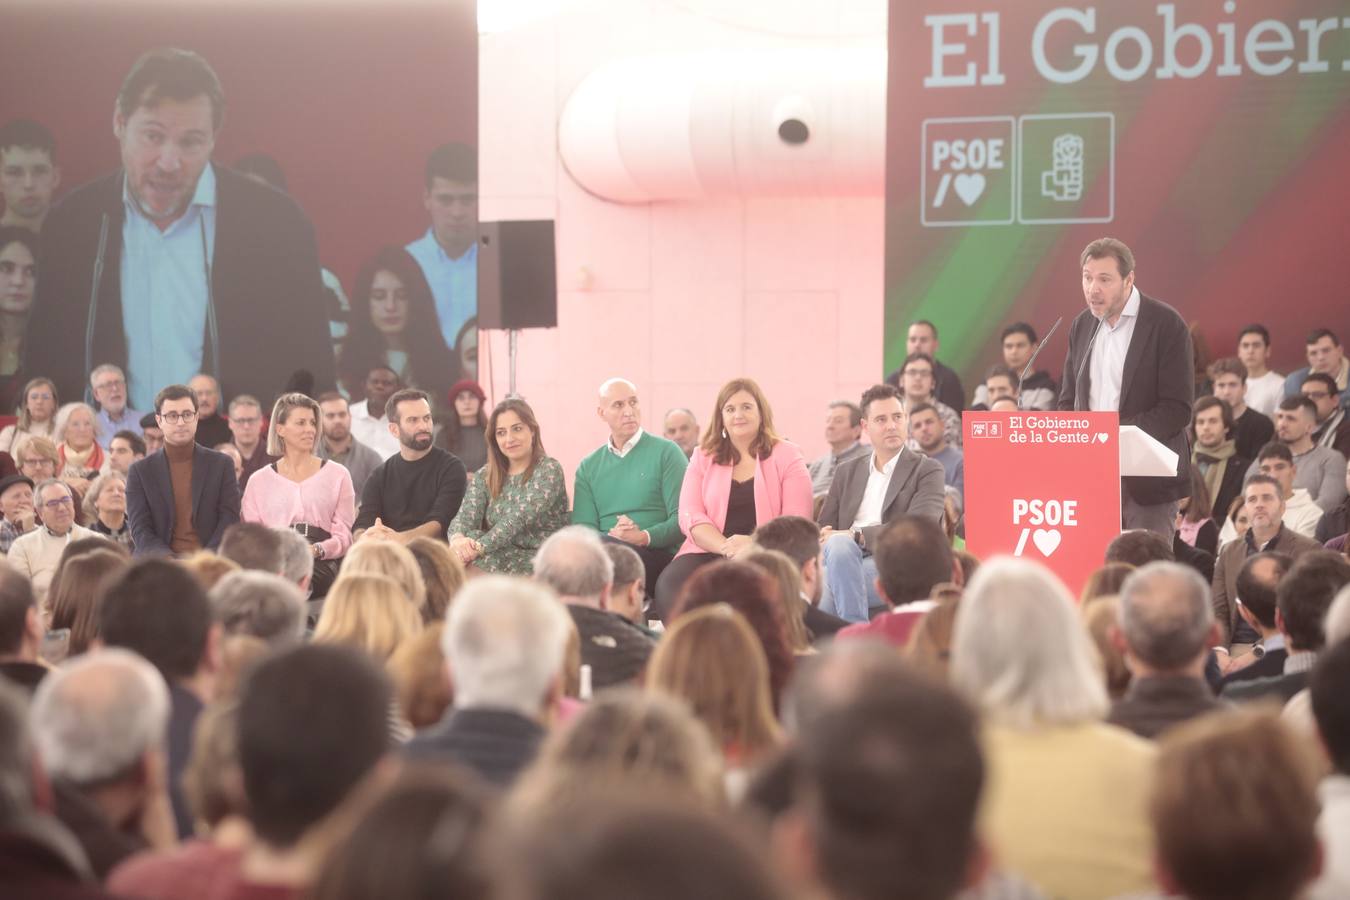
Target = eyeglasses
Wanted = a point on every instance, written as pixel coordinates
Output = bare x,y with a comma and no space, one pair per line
40,463
173,418
59,502
251,420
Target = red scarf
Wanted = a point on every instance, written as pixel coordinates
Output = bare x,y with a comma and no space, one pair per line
93,464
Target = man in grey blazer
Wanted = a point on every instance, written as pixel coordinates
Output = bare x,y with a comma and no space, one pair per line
867,493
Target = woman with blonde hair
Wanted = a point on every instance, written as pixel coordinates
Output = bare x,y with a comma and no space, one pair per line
712,660
36,411
930,644
394,561
105,508
302,492
80,459
371,612
741,475
417,669
442,573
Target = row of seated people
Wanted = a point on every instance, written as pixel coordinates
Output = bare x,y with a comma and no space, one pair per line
436,734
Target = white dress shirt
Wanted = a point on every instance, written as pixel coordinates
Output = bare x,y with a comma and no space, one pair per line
373,432
874,495
629,444
1107,367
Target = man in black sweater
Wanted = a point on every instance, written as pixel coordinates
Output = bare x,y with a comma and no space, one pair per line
417,492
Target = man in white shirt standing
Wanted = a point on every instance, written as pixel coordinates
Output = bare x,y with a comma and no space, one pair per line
1265,388
1151,386
370,424
448,252
867,492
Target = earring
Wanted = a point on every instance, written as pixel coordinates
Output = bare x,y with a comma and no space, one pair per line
724,434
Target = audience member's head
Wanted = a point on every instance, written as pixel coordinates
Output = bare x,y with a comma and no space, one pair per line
297,558
125,448
1276,460
418,671
77,601
106,496
1166,620
929,649
1105,581
1101,619
574,563
20,623
1256,583
917,377
55,504
912,556
1295,419
1138,548
253,545
442,575
392,560
1019,340
36,457
368,611
843,424
100,721
647,740
238,654
417,837
16,499
504,642
1020,653
888,788
1234,808
630,581
799,538
175,416
1321,389
266,606
681,427
1324,351
1304,595
212,782
313,721
159,610
208,568
1211,422
1000,381
1229,377
788,580
713,661
749,591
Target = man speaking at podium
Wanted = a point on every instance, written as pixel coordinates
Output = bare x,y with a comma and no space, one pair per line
1133,354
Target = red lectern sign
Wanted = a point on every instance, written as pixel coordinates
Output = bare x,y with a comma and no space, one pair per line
1044,486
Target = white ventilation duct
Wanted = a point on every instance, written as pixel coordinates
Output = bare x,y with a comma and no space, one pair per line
680,127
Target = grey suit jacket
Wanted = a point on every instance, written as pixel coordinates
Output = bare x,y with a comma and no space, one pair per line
916,489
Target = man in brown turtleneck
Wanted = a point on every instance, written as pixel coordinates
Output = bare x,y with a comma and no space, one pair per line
182,498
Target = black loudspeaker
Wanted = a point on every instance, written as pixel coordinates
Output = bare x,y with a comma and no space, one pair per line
517,275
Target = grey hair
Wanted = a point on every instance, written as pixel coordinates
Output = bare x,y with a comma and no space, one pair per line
610,382
680,409
62,419
46,483
95,718
1019,652
281,410
1165,614
91,498
297,560
504,643
628,566
574,563
261,605
1337,625
106,367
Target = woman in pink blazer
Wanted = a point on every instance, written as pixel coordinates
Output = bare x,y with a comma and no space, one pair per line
741,475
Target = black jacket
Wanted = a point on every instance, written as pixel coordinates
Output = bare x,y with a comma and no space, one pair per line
616,650
1153,705
1157,389
215,500
267,294
496,743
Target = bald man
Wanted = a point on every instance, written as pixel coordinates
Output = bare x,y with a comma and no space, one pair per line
629,488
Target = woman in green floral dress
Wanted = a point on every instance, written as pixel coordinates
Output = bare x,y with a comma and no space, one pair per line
515,501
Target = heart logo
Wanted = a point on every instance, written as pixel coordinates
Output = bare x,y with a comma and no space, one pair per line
1103,437
1046,540
969,187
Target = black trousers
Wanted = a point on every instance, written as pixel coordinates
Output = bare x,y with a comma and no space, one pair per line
672,581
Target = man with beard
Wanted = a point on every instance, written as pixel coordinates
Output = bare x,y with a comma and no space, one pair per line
340,446
418,491
370,425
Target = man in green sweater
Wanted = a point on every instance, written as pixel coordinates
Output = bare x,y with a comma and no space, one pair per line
629,488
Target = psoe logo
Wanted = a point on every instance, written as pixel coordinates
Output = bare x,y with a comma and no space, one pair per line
986,430
1054,514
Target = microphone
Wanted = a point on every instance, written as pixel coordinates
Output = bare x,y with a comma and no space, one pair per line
1039,347
93,299
1087,354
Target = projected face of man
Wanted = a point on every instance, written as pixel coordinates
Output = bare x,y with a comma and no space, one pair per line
453,207
165,148
1105,289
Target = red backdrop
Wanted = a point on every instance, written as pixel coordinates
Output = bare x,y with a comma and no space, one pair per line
349,98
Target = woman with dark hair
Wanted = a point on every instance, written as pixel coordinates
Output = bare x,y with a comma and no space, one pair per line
18,281
463,435
741,475
394,324
515,501
750,591
77,600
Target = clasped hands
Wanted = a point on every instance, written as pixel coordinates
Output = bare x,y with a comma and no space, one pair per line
466,548
626,530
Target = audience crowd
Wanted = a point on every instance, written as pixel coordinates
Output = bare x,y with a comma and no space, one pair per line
340,632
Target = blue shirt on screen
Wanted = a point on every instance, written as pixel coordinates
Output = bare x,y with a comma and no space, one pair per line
164,293
454,283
